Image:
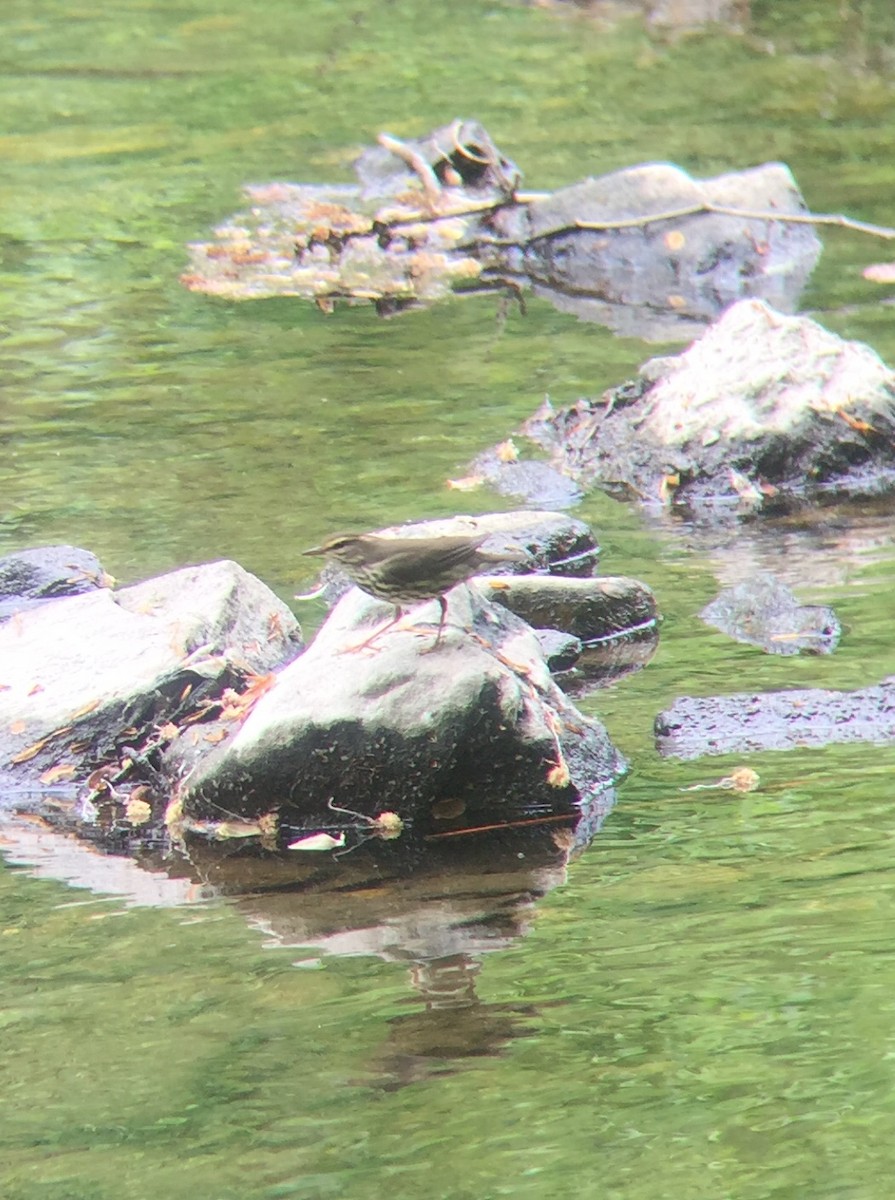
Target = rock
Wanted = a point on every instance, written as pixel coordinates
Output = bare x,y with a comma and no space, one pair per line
561,651
594,610
695,726
531,481
762,412
764,612
86,674
614,620
641,250
553,541
664,277
31,577
401,726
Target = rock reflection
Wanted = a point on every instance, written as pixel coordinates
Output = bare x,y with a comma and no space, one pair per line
437,901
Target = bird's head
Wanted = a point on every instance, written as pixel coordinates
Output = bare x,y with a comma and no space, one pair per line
344,547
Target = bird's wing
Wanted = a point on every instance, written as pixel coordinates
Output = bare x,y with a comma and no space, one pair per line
415,563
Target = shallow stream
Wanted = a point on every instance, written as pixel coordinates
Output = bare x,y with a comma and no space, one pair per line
703,1005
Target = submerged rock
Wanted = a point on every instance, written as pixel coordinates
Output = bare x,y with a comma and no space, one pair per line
764,612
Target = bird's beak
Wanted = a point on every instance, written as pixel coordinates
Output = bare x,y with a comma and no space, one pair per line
314,550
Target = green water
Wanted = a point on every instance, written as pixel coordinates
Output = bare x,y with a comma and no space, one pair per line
705,1007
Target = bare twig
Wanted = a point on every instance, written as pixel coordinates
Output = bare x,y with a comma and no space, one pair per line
690,210
745,214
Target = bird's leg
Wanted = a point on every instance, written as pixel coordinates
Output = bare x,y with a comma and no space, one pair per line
442,604
442,620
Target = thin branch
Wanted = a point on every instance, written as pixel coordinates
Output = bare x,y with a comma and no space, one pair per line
837,219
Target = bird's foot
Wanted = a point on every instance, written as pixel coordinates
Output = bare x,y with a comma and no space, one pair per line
368,643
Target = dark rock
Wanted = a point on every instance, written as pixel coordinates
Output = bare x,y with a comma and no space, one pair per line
695,726
561,651
31,577
615,619
594,610
399,725
764,612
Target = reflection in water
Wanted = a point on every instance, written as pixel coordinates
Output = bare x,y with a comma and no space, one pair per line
816,547
437,906
51,855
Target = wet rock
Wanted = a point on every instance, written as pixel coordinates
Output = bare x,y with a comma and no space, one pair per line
764,411
594,610
86,675
615,621
764,612
32,577
397,724
695,726
663,277
647,250
561,651
529,480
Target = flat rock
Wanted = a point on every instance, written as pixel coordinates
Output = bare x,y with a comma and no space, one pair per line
695,726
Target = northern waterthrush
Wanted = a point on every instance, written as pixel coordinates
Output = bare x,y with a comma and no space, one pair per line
407,571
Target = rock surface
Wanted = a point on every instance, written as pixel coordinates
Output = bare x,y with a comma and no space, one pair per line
695,726
398,725
32,577
764,612
763,411
632,249
84,674
594,609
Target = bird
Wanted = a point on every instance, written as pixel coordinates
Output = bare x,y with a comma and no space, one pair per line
409,570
